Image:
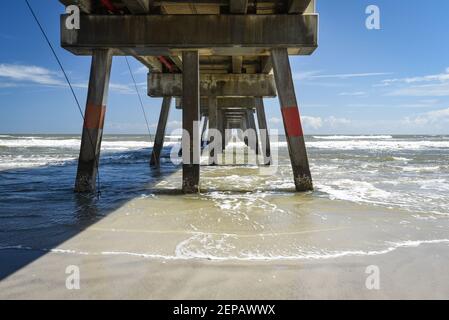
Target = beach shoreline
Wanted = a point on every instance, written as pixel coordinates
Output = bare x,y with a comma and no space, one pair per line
147,262
420,275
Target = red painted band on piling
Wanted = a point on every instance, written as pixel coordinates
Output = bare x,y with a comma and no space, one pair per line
94,117
292,121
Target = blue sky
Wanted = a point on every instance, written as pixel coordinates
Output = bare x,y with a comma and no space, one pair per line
359,81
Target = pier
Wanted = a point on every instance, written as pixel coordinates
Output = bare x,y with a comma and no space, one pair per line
217,59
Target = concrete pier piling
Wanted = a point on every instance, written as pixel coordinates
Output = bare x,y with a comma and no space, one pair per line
205,120
215,58
292,122
263,130
252,127
222,128
190,122
160,133
94,115
213,119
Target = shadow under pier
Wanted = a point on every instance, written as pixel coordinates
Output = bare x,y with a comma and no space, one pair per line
39,209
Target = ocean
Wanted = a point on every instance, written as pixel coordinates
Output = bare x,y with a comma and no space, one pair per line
373,194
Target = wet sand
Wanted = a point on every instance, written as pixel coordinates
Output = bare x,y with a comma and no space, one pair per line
158,248
421,275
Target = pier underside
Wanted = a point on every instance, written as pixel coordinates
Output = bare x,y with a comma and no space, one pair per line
218,58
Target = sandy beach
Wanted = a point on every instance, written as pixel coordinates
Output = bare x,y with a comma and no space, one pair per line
155,258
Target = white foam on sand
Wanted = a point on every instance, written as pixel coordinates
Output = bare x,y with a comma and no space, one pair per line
207,247
355,191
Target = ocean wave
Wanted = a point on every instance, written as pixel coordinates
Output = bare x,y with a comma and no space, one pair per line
379,145
374,137
71,144
376,143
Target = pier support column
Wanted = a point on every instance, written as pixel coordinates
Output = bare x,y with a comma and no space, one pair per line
160,133
97,96
203,131
190,122
245,127
252,126
263,129
221,128
213,119
292,121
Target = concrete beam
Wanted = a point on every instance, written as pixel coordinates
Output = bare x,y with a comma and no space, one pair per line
219,85
177,60
209,34
237,64
266,65
138,6
224,103
234,115
237,111
298,6
152,63
86,6
238,6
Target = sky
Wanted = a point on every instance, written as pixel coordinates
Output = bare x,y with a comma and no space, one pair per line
359,81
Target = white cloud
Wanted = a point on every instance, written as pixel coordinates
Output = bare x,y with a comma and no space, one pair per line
121,88
351,75
275,120
353,94
337,122
441,77
174,125
29,73
19,75
433,85
304,75
434,118
317,75
329,122
312,122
